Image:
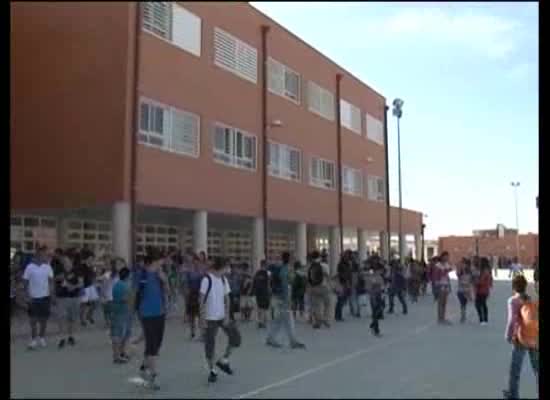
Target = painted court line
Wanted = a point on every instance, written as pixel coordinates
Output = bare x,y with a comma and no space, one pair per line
340,360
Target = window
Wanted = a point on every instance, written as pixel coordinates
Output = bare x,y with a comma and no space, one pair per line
320,101
168,128
375,129
235,55
173,23
322,173
352,181
350,116
283,81
285,161
377,188
234,147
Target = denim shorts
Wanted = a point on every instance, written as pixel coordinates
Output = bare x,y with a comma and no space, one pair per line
121,326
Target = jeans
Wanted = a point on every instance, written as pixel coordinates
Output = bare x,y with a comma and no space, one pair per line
377,310
518,353
400,296
481,307
354,304
340,302
283,320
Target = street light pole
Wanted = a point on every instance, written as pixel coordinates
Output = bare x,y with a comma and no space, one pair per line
398,112
515,185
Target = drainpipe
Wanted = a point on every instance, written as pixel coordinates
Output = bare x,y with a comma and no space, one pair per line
386,154
134,137
265,30
339,149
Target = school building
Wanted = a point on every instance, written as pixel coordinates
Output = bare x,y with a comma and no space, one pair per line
173,106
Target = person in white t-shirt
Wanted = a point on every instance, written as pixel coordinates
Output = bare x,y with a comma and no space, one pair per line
38,278
214,314
515,268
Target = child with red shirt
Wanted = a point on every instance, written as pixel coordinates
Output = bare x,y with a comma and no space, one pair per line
482,291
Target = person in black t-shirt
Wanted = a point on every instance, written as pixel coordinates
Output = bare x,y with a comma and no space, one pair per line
89,296
68,287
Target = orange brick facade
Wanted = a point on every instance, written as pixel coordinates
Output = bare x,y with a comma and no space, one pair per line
465,246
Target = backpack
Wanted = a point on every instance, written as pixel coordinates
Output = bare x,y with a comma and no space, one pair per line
276,283
209,287
528,329
299,284
315,274
261,283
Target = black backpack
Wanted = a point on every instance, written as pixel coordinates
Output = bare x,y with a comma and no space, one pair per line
315,274
261,283
276,283
299,284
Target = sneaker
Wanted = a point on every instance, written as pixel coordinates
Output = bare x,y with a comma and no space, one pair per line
273,344
316,326
71,341
83,324
32,344
326,324
225,367
153,383
91,321
61,344
212,377
297,345
42,342
120,360
483,323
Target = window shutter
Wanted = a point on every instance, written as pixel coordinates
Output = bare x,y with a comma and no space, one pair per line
276,77
225,49
380,187
247,61
355,119
327,104
314,168
295,163
375,130
185,132
219,139
186,30
292,85
157,18
314,97
144,117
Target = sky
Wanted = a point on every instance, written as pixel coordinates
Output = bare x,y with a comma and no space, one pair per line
468,75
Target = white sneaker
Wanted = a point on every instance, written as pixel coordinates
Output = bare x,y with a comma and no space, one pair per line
42,342
483,323
32,344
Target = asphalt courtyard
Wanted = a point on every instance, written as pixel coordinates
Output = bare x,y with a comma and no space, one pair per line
415,358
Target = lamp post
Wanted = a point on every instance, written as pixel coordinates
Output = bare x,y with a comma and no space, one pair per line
398,113
515,185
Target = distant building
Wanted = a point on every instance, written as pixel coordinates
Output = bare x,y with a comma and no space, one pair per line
495,245
499,232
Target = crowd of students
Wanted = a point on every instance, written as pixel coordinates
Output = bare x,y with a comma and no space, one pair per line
211,293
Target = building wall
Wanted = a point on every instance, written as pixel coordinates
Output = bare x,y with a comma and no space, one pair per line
72,72
70,75
465,246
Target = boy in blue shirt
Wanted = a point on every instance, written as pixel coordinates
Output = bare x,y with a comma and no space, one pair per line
120,314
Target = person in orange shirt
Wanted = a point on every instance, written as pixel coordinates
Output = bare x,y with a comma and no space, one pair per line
482,290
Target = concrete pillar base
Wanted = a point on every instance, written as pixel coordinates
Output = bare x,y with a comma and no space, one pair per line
200,232
121,226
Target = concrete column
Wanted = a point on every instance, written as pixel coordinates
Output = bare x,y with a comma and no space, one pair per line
311,236
121,226
301,242
200,231
418,247
61,233
384,250
362,244
258,251
404,248
334,249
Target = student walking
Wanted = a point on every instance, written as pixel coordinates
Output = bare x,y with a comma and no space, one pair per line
281,305
68,287
375,287
398,286
192,304
151,305
120,317
443,287
299,283
318,279
343,283
214,312
262,292
482,289
38,278
465,285
522,331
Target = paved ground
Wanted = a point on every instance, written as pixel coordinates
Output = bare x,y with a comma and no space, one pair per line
414,359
